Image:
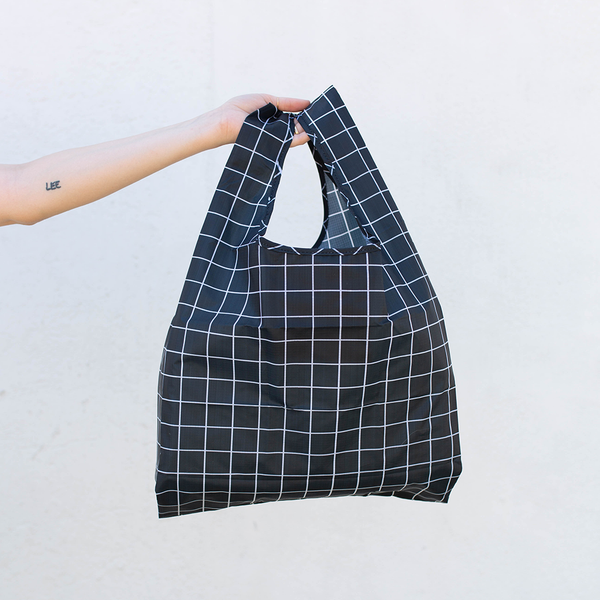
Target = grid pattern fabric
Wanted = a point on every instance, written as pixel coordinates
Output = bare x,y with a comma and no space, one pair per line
294,373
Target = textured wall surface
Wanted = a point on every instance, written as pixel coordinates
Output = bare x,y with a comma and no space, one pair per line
483,119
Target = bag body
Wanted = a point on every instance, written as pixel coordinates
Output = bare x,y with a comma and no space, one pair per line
293,373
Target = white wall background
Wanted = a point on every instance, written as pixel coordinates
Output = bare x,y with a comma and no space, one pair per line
483,118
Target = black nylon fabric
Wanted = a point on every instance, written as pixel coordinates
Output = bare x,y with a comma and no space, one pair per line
293,373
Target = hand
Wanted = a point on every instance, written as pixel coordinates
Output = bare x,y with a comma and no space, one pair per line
234,112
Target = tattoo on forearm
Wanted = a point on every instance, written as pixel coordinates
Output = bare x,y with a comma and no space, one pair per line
53,185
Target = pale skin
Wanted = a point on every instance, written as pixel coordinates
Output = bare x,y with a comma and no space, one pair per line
48,186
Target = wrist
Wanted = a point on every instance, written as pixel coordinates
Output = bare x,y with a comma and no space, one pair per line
209,130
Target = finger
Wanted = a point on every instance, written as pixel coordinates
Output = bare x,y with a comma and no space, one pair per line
299,139
297,127
292,104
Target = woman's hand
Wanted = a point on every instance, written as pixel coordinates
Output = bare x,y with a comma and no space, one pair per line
234,112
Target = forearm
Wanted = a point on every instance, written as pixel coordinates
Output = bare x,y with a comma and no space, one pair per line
65,180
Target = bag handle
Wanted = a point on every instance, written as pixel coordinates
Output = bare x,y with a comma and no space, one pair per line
350,166
348,162
242,203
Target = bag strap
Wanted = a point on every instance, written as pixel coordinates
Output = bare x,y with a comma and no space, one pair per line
346,160
242,203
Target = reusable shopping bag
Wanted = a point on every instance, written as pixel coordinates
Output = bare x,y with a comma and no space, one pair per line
294,373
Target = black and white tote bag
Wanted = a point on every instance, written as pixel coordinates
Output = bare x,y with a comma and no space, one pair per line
294,373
